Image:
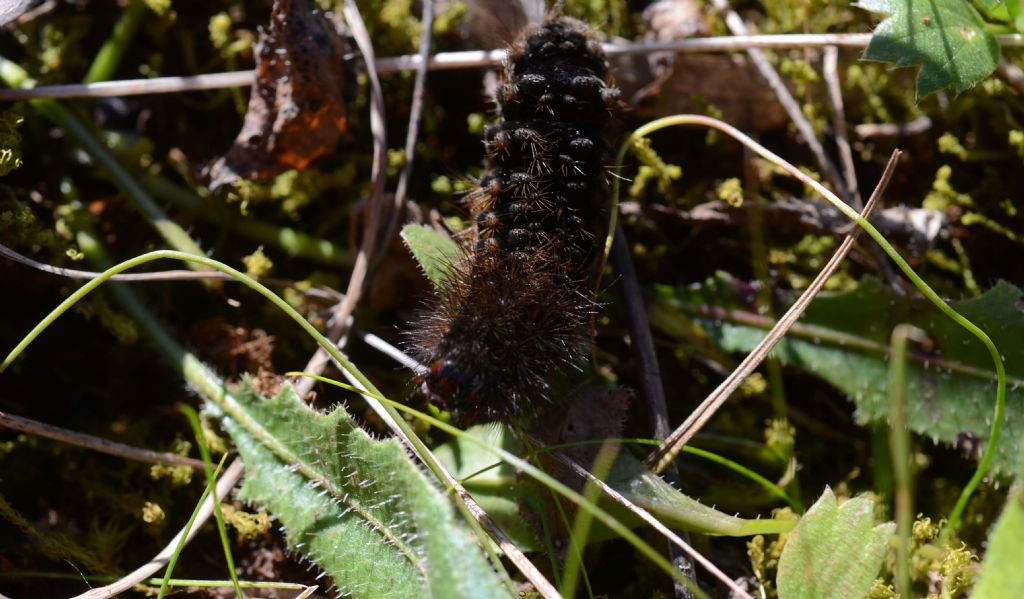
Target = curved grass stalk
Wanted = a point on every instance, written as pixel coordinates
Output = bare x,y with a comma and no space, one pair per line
1000,407
204,451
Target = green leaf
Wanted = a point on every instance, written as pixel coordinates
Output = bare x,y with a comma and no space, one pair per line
995,10
644,488
435,253
1001,574
493,484
834,551
946,37
844,339
496,490
357,507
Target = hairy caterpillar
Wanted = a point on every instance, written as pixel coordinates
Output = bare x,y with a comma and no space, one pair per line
518,304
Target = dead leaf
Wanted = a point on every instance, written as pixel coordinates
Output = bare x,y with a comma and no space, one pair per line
297,108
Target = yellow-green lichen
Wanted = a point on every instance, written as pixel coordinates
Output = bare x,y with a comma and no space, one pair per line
652,167
730,191
249,526
152,513
257,264
10,140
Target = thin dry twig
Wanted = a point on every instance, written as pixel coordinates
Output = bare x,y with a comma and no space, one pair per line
735,24
341,320
227,481
34,427
466,59
323,293
830,72
413,132
655,524
667,451
881,130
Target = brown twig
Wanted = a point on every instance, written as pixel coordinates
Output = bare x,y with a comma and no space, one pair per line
667,451
883,130
464,59
830,72
735,24
323,293
34,427
341,319
412,134
915,228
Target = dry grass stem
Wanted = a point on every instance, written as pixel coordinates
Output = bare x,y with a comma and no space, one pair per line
466,59
377,208
41,429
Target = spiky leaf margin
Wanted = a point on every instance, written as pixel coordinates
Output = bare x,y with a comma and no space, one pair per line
946,37
356,507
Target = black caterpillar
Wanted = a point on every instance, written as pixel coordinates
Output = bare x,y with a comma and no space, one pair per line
519,303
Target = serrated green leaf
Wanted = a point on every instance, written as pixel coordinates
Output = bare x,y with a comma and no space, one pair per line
1001,574
497,491
434,252
644,488
834,551
357,507
946,37
844,339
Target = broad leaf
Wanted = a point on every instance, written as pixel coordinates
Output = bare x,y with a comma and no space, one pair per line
434,252
357,507
834,551
946,37
844,339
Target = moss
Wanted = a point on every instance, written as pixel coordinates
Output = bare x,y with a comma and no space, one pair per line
152,513
880,590
942,195
249,526
179,475
949,144
730,191
257,264
799,73
652,167
10,140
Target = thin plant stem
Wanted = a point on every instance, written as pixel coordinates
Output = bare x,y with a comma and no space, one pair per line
210,487
110,54
463,59
204,451
581,527
42,429
899,443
